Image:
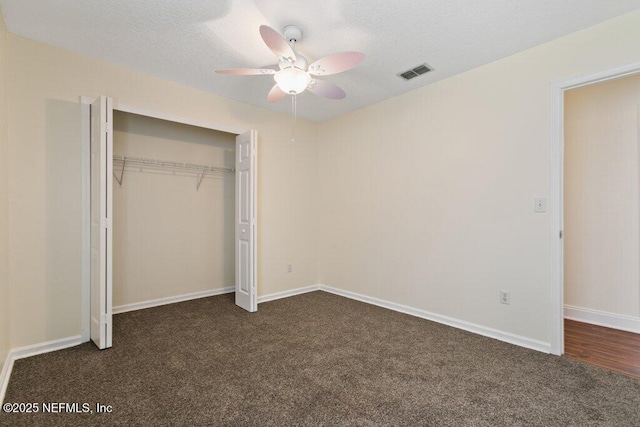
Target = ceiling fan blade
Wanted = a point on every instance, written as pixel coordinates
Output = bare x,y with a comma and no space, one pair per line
326,89
277,43
275,94
247,71
336,63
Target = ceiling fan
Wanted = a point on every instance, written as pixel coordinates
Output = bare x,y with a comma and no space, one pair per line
295,75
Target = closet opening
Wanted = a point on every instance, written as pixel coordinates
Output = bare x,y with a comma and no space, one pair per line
173,212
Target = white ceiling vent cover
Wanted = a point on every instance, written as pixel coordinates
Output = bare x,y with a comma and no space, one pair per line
415,72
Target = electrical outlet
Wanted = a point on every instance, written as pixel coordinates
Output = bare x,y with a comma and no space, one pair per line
504,297
290,268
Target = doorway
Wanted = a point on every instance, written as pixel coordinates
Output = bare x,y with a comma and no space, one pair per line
98,183
601,218
560,294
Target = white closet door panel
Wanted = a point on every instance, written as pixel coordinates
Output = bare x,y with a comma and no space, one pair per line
101,214
246,231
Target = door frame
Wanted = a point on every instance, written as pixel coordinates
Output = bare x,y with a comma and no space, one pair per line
85,120
556,201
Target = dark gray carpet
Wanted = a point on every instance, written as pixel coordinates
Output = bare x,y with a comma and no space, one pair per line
314,359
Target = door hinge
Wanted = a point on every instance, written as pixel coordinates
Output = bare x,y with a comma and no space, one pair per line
106,223
104,319
560,234
108,127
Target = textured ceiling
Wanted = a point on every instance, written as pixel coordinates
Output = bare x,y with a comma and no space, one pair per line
186,40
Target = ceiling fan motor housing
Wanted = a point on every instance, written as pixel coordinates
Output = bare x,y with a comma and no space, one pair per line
292,33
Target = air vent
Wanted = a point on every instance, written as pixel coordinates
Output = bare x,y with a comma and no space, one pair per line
414,72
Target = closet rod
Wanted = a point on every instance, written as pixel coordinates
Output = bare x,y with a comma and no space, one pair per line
143,162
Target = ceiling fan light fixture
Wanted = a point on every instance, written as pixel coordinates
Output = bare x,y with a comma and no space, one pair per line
296,75
292,80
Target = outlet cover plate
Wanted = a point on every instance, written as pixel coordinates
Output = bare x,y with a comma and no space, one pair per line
505,298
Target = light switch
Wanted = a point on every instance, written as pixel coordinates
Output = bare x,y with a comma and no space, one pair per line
540,205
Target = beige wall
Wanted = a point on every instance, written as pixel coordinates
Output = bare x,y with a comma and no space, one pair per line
426,199
45,187
4,204
601,197
170,238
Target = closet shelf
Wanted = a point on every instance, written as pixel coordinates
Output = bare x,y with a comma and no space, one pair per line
139,164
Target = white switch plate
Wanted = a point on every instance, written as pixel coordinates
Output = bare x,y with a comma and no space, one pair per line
540,205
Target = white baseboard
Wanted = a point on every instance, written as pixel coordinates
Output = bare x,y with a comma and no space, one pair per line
4,375
449,321
170,300
32,350
602,318
286,294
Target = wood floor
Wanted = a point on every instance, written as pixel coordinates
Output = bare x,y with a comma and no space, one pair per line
604,347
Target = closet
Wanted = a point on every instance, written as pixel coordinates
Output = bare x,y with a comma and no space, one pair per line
169,212
173,211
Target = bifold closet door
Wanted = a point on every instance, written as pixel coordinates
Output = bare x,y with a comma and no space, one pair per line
101,214
246,227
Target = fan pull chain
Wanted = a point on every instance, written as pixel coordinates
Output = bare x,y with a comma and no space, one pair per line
294,116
